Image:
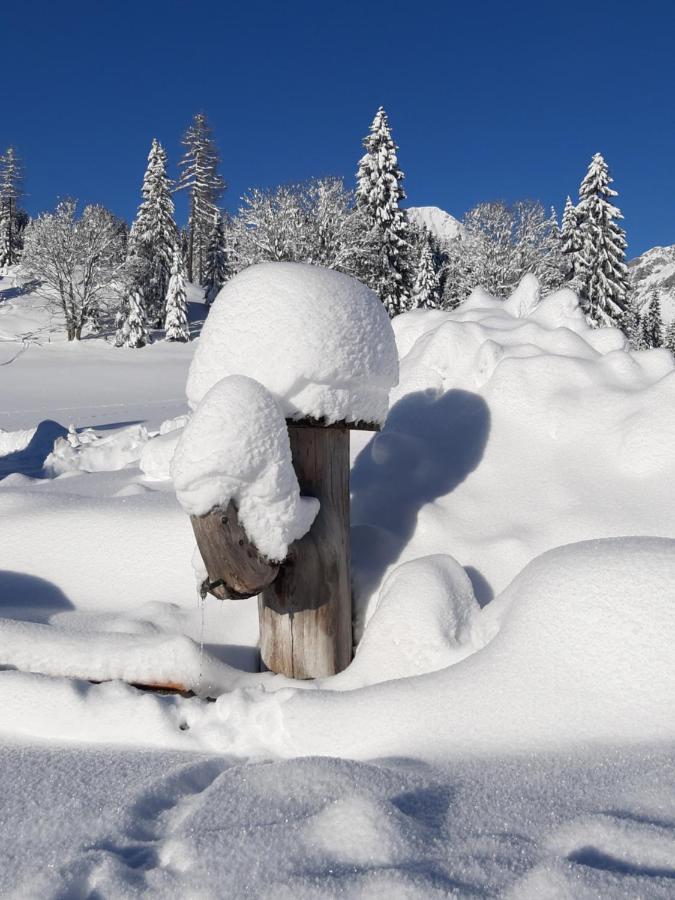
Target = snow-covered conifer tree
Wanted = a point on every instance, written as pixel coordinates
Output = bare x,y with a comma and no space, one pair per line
600,265
154,234
176,303
631,325
200,177
652,323
378,194
426,289
132,329
669,340
216,268
11,218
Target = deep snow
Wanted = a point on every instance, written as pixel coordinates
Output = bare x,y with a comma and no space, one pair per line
521,748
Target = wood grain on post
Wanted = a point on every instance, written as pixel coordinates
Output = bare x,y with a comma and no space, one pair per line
306,612
236,568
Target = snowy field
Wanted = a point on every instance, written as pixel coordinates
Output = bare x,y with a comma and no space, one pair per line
507,726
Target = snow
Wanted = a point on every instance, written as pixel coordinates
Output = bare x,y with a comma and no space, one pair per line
506,727
318,340
654,271
442,225
236,448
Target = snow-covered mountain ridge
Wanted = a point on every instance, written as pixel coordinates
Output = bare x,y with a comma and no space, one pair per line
653,271
440,223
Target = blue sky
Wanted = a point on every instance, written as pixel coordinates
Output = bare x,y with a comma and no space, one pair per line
487,100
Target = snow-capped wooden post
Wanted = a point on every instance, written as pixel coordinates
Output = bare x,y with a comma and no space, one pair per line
316,347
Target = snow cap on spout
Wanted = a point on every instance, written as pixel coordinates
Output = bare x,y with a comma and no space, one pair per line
319,341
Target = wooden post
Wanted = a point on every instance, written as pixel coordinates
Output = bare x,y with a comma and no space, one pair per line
306,612
305,602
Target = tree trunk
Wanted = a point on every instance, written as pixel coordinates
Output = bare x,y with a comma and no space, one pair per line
306,613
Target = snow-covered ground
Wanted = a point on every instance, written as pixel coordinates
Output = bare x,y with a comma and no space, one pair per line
507,725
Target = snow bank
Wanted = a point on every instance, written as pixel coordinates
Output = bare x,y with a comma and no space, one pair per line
148,659
582,655
94,451
515,428
15,441
156,456
319,341
236,447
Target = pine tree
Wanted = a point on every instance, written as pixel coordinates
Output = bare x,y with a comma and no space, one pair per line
132,329
11,218
600,264
426,290
631,325
669,340
154,235
200,177
176,303
570,242
378,194
652,324
216,268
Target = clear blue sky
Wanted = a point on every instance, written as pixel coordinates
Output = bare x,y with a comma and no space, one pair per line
487,100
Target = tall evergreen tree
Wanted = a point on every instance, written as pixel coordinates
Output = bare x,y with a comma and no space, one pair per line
11,217
600,264
631,325
426,289
216,268
378,194
669,340
154,235
570,238
176,303
200,177
131,321
652,324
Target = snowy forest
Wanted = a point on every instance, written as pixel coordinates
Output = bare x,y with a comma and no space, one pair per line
97,269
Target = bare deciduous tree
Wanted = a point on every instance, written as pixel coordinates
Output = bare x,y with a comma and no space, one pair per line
76,259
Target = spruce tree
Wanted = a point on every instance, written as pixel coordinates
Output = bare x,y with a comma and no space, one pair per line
154,235
631,325
176,303
11,217
426,289
200,177
570,238
600,264
669,340
216,269
378,194
132,329
652,324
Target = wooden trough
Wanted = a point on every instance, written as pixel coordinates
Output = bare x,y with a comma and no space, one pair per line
305,601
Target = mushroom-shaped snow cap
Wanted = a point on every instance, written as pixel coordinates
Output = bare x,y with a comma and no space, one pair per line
320,341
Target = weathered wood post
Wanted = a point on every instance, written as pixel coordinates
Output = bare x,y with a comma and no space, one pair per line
322,344
306,612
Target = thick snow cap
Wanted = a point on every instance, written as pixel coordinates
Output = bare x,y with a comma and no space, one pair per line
236,447
319,341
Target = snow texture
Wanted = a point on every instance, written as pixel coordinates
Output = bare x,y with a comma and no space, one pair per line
236,448
318,340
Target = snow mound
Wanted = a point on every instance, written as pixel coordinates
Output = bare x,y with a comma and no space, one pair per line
156,456
442,225
319,341
92,451
236,447
515,428
426,619
15,441
582,654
